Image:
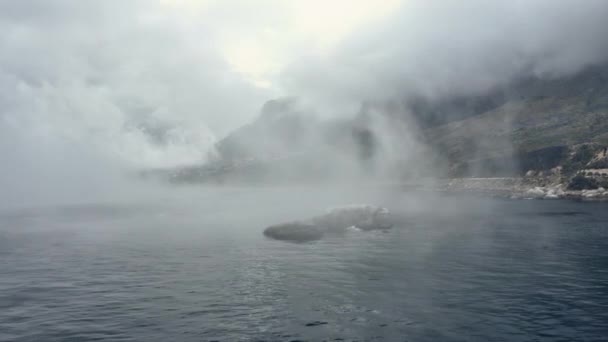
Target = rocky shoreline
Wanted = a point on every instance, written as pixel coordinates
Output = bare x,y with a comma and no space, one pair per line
519,188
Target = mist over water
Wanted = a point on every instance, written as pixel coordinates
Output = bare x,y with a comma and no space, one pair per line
92,91
190,266
305,105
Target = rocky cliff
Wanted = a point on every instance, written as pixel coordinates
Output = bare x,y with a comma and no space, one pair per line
534,127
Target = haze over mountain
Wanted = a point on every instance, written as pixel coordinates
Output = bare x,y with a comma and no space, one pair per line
108,87
530,124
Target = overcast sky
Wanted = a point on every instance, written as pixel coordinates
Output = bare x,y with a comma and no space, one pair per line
150,83
101,71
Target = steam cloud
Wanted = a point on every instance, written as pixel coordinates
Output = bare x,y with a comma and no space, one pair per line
87,87
437,48
434,50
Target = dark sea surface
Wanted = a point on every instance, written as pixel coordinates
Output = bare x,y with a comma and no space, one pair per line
194,266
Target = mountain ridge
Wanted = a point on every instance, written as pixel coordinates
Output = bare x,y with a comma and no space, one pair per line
532,124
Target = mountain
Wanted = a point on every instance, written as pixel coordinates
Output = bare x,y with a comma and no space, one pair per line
285,144
537,126
532,126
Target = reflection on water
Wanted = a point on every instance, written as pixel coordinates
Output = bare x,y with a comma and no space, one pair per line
197,268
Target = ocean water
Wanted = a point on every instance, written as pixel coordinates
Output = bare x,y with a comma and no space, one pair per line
194,266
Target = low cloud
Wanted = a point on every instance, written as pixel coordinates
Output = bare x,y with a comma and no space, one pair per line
438,48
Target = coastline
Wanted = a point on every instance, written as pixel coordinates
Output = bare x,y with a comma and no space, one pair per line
518,188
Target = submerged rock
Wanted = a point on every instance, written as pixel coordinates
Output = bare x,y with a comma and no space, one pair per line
294,231
315,323
338,220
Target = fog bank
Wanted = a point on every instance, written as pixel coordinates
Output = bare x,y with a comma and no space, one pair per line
90,91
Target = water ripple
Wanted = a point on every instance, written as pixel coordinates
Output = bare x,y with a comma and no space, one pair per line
132,276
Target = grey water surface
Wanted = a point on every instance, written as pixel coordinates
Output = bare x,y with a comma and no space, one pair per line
194,266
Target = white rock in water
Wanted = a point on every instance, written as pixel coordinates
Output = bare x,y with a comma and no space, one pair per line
590,193
551,195
554,193
536,192
365,217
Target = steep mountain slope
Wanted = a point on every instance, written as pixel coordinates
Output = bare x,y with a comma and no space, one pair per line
534,124
541,116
